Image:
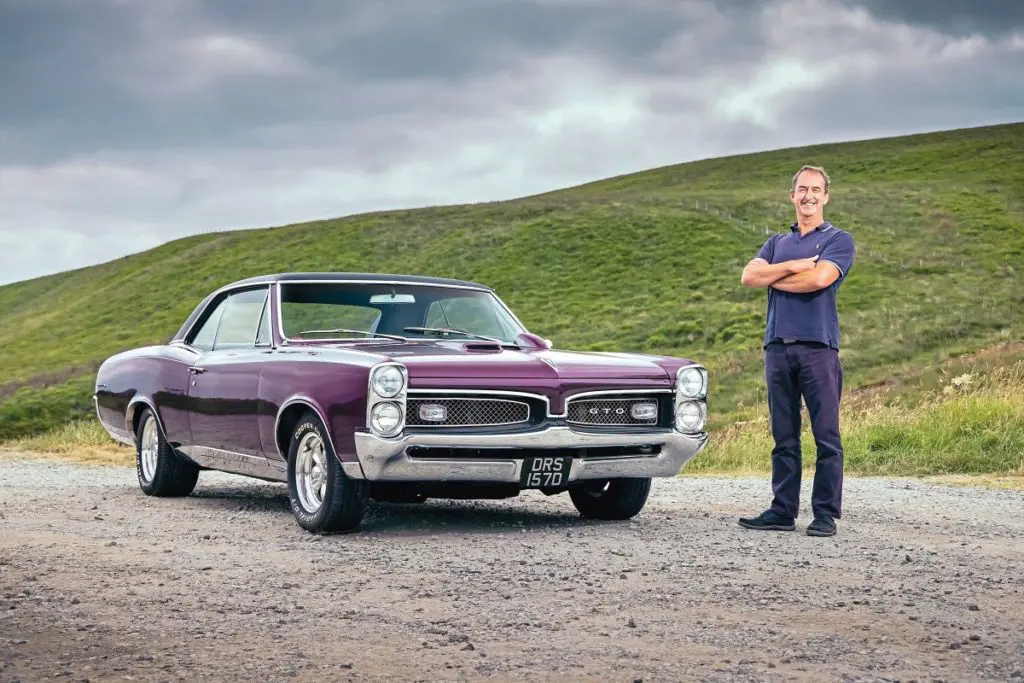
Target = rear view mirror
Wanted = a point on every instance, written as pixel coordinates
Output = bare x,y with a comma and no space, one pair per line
392,298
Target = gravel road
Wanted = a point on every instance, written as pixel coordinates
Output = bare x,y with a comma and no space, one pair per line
99,582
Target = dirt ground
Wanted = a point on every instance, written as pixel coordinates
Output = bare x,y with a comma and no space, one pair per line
101,583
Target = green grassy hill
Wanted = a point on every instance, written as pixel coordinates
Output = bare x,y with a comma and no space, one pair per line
647,262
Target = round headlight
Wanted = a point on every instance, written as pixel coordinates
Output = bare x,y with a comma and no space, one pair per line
386,418
689,416
691,382
388,381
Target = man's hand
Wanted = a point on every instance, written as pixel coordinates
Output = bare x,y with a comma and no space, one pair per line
816,277
802,264
760,273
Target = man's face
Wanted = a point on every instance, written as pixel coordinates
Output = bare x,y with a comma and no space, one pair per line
810,196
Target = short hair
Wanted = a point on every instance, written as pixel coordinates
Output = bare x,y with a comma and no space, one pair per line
816,169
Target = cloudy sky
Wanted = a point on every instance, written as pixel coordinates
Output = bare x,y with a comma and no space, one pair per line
128,123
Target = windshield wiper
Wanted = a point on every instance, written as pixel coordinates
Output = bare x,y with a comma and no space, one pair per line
454,330
343,329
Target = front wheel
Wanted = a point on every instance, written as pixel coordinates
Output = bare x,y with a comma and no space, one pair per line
610,498
323,498
160,470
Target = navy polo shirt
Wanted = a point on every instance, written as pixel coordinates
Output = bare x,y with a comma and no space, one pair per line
810,316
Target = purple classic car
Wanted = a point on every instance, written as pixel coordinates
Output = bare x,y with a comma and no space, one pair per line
352,387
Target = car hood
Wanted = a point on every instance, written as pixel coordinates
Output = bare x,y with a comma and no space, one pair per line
486,361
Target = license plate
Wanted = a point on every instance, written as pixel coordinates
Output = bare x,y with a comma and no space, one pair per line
545,471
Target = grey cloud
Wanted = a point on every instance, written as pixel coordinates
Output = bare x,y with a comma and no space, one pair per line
70,72
953,17
118,131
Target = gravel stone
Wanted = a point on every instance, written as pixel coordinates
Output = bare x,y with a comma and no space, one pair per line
224,585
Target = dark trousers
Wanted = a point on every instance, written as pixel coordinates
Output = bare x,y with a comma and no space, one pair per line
813,372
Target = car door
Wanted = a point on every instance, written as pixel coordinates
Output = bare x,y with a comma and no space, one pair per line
225,377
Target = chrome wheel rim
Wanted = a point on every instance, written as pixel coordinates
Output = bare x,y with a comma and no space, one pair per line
148,449
311,472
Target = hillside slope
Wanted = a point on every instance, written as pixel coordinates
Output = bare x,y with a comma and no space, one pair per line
647,262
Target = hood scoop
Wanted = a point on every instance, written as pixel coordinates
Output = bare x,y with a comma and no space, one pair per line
487,347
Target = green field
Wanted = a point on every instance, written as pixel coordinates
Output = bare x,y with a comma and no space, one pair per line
647,262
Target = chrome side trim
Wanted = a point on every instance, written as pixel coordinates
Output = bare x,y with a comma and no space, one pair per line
236,463
178,343
308,402
129,415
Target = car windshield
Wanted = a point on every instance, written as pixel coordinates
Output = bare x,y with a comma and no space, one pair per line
322,311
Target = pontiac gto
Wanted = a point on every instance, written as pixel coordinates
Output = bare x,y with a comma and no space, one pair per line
351,387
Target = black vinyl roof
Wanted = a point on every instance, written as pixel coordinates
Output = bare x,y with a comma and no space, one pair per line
367,277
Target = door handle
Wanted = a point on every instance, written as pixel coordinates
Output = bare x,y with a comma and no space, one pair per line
196,370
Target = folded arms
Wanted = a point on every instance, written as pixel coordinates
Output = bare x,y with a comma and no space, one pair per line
799,276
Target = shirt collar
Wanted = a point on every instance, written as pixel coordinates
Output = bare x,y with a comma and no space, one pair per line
821,228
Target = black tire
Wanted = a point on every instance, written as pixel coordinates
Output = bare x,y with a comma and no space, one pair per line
611,498
342,501
161,471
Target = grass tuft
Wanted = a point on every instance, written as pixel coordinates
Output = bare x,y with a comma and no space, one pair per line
82,441
971,423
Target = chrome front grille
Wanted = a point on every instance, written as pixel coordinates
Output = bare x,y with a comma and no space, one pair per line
611,411
467,412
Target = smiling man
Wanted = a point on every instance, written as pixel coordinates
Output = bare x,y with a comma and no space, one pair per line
803,270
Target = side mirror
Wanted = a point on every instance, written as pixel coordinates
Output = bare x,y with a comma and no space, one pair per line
532,341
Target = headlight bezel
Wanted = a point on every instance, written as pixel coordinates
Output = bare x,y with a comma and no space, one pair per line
374,397
392,370
698,398
698,427
375,418
689,370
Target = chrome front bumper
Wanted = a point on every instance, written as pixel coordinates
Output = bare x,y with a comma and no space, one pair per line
383,459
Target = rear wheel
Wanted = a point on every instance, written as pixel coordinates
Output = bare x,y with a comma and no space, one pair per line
610,498
323,498
160,470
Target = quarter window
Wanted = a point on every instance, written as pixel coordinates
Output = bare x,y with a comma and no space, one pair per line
203,339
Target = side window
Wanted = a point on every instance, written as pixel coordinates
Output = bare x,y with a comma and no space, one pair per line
241,319
203,339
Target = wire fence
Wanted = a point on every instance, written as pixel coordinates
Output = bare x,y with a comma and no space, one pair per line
762,229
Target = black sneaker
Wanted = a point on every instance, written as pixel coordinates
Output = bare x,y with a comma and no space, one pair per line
822,526
768,520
